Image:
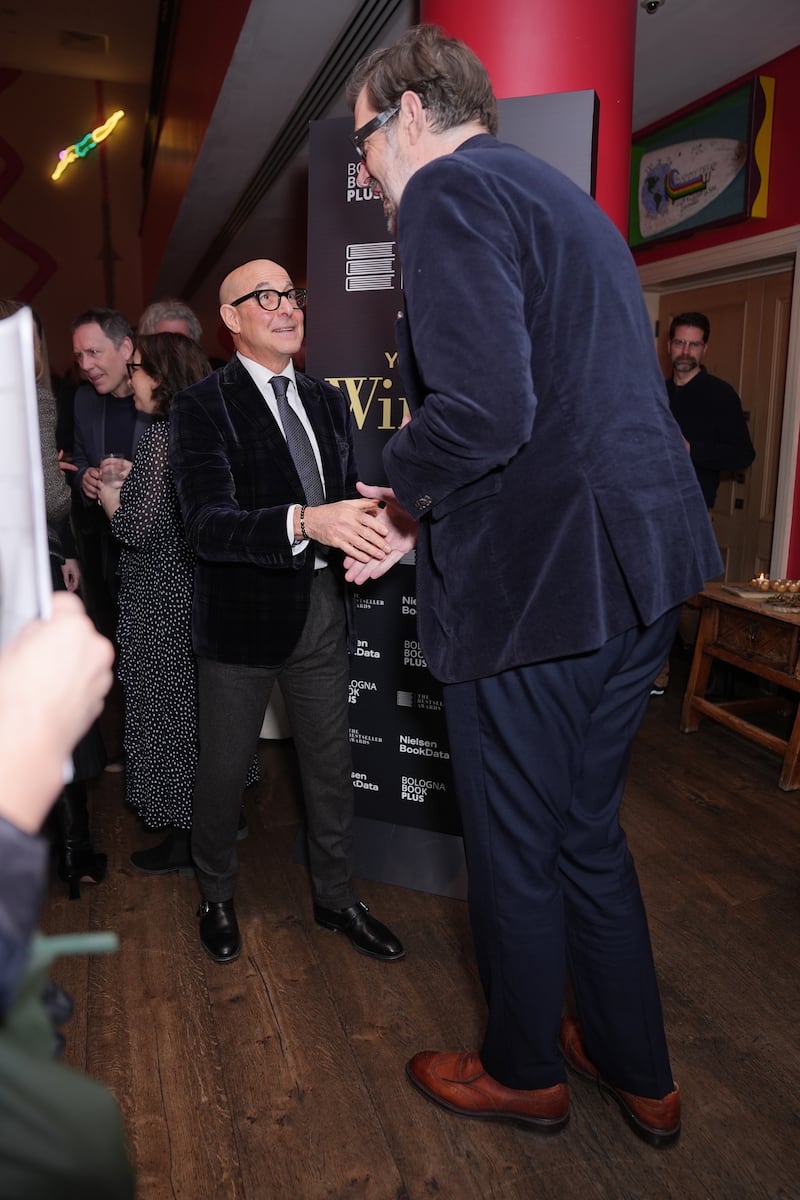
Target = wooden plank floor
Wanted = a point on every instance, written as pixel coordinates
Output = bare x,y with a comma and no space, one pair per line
281,1076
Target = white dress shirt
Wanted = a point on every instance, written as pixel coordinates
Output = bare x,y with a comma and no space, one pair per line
261,377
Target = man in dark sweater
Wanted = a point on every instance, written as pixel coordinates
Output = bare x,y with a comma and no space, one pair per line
707,408
709,413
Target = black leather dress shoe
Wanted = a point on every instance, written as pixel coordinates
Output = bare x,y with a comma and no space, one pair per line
172,856
219,931
367,935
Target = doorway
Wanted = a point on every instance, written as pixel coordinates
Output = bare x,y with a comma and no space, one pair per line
748,347
749,255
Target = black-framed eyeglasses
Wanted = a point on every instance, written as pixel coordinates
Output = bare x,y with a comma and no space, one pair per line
360,136
270,299
131,367
684,343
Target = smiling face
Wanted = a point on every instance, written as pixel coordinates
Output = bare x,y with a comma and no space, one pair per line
270,338
100,361
383,166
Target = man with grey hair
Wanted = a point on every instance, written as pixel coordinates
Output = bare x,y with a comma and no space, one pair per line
170,316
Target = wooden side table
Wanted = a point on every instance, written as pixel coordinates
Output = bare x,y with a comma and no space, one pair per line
743,631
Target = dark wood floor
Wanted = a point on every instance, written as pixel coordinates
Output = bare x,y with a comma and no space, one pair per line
281,1075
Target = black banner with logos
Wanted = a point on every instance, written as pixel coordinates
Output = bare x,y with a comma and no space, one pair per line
401,763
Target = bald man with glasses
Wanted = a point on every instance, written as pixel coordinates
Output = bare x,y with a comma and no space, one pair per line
265,471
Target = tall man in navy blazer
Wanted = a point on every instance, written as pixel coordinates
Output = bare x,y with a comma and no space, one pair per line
269,596
560,526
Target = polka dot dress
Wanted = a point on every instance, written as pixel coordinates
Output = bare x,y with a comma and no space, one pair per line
156,663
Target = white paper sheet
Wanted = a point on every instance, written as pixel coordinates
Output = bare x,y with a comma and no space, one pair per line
25,584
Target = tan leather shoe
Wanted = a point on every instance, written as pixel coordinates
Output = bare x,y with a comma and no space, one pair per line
458,1082
655,1121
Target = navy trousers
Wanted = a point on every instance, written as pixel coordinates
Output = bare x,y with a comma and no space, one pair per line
540,755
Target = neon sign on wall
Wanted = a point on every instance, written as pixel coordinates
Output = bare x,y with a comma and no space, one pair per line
86,144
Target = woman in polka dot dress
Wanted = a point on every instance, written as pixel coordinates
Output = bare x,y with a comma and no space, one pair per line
156,663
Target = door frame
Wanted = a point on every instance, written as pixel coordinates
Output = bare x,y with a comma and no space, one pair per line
699,268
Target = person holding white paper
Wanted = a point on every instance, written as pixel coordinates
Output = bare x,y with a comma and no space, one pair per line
77,859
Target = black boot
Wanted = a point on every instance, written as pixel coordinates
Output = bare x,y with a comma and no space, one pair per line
171,855
77,861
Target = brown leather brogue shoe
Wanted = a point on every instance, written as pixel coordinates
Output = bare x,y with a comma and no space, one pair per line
655,1121
458,1081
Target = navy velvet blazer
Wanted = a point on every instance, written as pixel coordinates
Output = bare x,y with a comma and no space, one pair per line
559,505
235,481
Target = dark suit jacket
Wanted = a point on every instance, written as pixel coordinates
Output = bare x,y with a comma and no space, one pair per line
559,506
235,481
90,437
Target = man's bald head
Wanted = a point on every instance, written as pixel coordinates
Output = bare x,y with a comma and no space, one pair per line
248,277
268,336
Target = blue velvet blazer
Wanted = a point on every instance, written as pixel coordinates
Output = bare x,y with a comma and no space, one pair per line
559,505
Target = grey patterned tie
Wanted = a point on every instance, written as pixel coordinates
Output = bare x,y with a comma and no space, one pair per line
299,444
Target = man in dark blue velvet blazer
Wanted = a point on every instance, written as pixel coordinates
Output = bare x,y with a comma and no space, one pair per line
560,526
269,595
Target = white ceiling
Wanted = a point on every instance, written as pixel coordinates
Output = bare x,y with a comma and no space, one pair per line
684,50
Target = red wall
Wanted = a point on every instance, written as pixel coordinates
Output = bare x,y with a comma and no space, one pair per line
783,207
542,47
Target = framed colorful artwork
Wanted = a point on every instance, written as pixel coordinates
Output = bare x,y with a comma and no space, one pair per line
707,167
